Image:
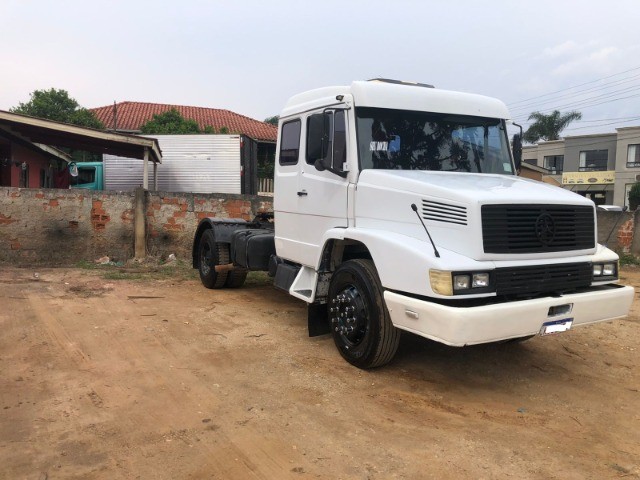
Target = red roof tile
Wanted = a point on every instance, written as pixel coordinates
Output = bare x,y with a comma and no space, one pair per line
132,115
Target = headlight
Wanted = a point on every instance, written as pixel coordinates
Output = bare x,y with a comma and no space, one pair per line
605,271
480,280
461,282
448,283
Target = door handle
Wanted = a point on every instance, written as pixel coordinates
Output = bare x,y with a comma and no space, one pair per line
302,193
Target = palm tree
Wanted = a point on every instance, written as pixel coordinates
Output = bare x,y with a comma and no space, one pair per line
548,127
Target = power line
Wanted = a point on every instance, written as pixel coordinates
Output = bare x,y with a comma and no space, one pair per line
605,119
579,93
576,86
577,103
600,97
584,106
602,125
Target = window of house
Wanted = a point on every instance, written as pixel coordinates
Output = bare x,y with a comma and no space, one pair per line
290,143
554,163
594,160
531,161
633,156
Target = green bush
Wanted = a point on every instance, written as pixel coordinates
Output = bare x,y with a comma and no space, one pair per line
634,196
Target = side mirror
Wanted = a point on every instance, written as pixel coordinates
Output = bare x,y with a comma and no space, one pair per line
517,150
326,141
319,127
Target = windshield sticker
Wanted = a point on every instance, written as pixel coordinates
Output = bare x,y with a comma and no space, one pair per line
378,146
392,146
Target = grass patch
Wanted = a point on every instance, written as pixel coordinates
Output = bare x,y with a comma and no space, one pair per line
149,269
627,259
258,279
86,265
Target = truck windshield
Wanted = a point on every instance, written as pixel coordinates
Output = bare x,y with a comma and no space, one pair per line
408,140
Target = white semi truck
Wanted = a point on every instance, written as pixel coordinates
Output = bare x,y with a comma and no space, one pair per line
397,207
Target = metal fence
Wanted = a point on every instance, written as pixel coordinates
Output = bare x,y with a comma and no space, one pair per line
265,185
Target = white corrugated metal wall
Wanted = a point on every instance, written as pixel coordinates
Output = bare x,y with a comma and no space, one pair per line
190,163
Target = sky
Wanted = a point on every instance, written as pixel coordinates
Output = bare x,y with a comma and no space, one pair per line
251,56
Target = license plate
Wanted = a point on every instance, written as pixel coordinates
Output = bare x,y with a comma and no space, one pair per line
556,326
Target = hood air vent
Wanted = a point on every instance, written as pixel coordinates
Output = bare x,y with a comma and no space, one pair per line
443,212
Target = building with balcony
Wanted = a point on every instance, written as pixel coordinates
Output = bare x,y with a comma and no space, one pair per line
601,167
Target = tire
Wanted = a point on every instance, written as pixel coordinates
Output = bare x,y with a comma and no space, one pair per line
212,254
360,322
236,278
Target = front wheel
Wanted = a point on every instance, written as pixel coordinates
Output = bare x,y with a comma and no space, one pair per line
360,322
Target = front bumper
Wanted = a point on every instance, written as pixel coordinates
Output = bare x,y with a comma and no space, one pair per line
459,326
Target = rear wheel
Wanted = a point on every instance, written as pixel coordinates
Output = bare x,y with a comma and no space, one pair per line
360,322
212,254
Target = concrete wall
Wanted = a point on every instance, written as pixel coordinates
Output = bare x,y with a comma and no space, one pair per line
63,227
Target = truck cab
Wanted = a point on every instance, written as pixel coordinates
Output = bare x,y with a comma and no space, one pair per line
90,175
397,207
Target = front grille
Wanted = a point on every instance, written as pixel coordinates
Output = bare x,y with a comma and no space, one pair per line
444,212
542,278
537,228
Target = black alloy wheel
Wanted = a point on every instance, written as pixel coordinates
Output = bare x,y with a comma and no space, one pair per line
360,322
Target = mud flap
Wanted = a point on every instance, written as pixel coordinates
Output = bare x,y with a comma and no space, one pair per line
317,319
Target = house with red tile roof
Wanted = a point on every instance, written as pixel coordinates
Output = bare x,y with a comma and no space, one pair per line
130,116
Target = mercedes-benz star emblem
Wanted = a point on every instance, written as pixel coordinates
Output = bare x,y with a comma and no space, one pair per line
545,228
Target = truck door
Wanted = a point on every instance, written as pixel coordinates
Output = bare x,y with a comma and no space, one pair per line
319,202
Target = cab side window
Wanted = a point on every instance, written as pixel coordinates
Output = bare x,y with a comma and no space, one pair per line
290,143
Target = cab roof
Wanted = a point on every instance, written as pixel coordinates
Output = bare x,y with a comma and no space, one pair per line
384,93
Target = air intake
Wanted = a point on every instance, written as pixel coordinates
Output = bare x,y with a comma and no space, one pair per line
444,212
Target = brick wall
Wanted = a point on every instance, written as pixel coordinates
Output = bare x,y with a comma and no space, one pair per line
172,218
618,227
63,227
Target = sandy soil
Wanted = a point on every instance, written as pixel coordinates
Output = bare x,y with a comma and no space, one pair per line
159,378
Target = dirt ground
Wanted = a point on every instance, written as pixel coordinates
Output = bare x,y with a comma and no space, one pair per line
120,375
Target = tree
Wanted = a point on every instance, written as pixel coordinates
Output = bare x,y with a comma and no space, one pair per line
272,120
634,196
57,105
548,127
170,122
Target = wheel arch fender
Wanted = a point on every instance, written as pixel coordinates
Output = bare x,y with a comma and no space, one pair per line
222,231
390,252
